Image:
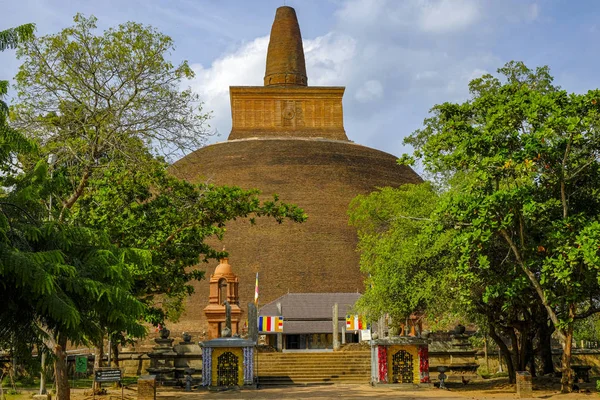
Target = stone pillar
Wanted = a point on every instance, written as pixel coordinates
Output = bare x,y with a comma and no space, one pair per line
279,335
344,333
146,387
252,323
226,332
334,320
524,390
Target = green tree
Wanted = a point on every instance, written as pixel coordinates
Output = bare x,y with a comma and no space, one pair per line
105,106
410,252
406,263
57,281
61,283
171,220
532,151
89,99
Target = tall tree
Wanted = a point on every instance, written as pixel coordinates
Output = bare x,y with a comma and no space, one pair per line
57,281
532,150
410,251
89,98
60,282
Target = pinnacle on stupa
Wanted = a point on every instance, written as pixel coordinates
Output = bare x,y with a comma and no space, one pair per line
285,57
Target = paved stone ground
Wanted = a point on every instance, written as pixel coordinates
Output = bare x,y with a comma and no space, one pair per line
366,391
473,392
489,389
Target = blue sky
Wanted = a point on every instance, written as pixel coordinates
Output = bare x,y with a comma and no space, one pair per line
396,57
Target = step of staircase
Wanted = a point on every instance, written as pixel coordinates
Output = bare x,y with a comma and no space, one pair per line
313,368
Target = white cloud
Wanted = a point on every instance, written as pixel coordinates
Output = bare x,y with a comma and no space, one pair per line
392,75
534,11
447,15
243,67
432,16
328,59
371,90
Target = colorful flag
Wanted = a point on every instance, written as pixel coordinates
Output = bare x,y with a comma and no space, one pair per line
256,290
355,322
270,324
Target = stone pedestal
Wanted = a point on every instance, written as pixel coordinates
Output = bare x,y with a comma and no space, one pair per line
146,387
524,389
188,360
162,360
456,354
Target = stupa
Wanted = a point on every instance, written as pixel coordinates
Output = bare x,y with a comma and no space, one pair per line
288,138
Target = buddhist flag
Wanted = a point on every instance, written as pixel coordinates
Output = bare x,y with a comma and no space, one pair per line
355,322
256,290
270,324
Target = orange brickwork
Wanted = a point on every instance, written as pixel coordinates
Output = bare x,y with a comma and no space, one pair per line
285,56
223,286
287,112
288,139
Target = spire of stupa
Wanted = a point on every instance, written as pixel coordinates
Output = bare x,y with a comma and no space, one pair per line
285,57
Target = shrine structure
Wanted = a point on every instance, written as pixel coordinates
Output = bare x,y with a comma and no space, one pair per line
223,287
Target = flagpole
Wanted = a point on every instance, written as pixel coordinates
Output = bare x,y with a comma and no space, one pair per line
256,291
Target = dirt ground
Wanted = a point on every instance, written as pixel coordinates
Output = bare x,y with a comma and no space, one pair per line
488,389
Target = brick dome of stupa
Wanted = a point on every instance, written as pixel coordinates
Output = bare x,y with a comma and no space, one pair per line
288,139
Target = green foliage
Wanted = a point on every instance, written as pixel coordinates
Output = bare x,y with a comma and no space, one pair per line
407,260
167,221
80,94
530,150
55,279
10,38
104,106
11,141
60,278
587,329
90,101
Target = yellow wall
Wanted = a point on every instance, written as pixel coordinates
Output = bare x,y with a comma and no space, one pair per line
215,360
410,349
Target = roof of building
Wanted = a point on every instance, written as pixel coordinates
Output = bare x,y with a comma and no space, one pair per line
311,306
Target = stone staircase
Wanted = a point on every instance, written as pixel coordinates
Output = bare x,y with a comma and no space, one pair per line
313,368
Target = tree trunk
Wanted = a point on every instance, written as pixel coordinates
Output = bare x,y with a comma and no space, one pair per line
115,353
114,344
566,382
485,352
522,363
530,358
506,354
63,391
515,353
98,362
42,371
544,332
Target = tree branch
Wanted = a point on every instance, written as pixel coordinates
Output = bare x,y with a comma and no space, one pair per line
536,285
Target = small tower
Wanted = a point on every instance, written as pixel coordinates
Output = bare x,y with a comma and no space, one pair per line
223,287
